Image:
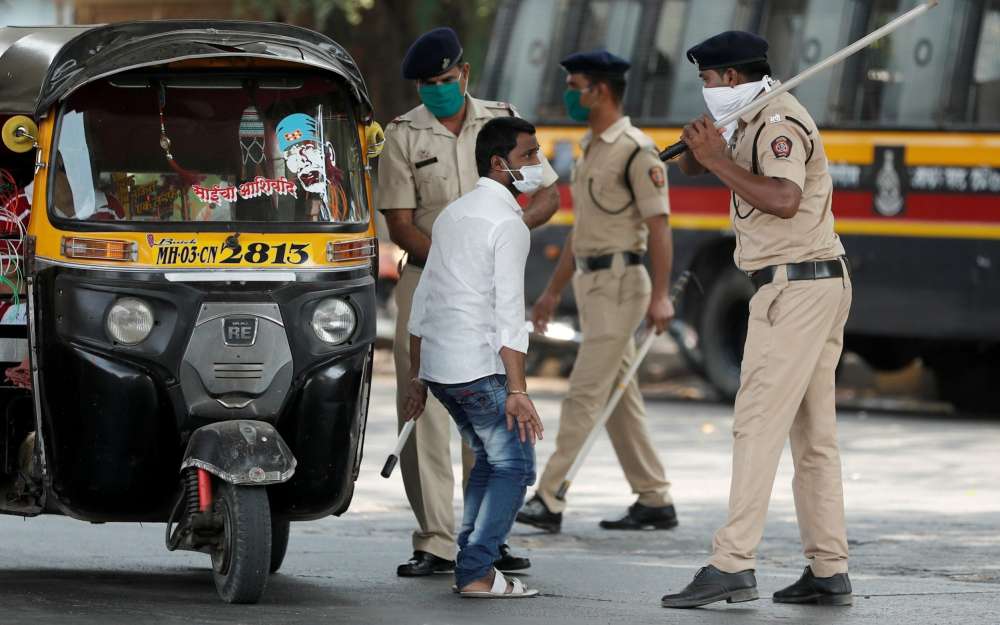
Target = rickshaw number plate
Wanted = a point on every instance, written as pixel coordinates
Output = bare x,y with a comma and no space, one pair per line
239,331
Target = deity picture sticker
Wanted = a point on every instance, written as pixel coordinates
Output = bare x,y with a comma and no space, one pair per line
301,146
782,147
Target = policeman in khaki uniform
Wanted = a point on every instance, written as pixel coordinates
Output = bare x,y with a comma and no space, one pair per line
620,202
429,161
777,169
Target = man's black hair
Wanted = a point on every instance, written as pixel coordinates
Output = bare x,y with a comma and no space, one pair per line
498,137
755,70
616,84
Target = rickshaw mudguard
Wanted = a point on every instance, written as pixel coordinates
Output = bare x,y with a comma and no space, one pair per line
241,452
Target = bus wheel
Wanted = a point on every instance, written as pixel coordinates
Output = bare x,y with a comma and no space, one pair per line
722,330
885,354
241,560
969,387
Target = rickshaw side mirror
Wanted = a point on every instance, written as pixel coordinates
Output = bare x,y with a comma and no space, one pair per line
19,134
375,138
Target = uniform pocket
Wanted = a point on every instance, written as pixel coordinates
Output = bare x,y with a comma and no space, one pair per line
764,304
433,188
634,285
597,297
608,192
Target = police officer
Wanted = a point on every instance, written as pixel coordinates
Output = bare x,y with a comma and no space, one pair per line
776,167
429,161
620,204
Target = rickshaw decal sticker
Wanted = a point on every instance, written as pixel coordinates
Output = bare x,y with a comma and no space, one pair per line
167,241
302,148
255,188
148,199
169,252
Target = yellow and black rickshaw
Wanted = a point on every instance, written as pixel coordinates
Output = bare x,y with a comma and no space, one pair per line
198,278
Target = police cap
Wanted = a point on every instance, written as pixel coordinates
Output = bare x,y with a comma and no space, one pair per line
595,62
728,49
432,54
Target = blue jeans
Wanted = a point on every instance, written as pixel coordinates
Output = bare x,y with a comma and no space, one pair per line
504,469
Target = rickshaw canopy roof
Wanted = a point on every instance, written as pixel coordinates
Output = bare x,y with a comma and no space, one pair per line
42,65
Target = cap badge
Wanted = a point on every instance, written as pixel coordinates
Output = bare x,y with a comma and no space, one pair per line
445,62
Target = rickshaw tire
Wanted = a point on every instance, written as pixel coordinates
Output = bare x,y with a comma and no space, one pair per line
280,529
249,537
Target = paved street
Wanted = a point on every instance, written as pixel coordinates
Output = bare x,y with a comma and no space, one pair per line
923,509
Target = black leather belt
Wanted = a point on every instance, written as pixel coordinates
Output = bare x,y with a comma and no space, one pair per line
595,263
810,270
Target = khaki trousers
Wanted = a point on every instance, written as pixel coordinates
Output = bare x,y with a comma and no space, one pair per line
612,303
426,459
794,340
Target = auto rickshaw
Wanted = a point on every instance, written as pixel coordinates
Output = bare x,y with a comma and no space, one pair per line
198,277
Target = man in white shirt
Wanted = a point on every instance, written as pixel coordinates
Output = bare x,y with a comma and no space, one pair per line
467,344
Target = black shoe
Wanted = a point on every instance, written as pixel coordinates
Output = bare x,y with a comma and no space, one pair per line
537,514
711,585
507,563
640,517
423,563
835,590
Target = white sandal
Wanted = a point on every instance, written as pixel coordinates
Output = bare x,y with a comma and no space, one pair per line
499,589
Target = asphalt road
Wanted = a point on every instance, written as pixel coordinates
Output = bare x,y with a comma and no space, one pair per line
923,504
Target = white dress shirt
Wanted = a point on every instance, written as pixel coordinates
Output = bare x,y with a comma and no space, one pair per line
469,302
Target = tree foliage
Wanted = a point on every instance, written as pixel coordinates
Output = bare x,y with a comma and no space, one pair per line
378,32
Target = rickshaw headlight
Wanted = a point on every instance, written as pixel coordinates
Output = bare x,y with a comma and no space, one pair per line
334,321
130,321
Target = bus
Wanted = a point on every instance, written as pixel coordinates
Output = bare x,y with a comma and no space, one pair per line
912,131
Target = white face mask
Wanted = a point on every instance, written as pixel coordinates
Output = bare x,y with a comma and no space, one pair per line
722,101
531,178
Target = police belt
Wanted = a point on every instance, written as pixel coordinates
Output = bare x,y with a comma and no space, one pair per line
596,263
810,270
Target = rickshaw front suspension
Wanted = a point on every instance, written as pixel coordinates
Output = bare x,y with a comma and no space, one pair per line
204,490
197,526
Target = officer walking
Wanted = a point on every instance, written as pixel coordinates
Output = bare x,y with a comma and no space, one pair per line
620,203
777,170
429,161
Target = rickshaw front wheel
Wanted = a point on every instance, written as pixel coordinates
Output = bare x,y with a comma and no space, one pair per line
241,558
280,529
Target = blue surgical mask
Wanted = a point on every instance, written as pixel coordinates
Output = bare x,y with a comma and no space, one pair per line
443,100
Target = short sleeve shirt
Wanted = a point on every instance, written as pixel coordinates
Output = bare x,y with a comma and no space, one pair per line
618,183
787,145
425,167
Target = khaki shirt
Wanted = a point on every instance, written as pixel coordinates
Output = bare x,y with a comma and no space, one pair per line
788,146
608,217
425,167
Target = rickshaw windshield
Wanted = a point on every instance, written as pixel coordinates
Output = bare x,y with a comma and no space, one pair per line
205,148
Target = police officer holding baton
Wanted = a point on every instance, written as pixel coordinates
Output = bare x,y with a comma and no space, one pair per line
773,161
621,209
428,162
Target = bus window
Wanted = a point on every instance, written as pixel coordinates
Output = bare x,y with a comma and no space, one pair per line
801,33
529,53
986,70
664,59
904,76
611,24
703,20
